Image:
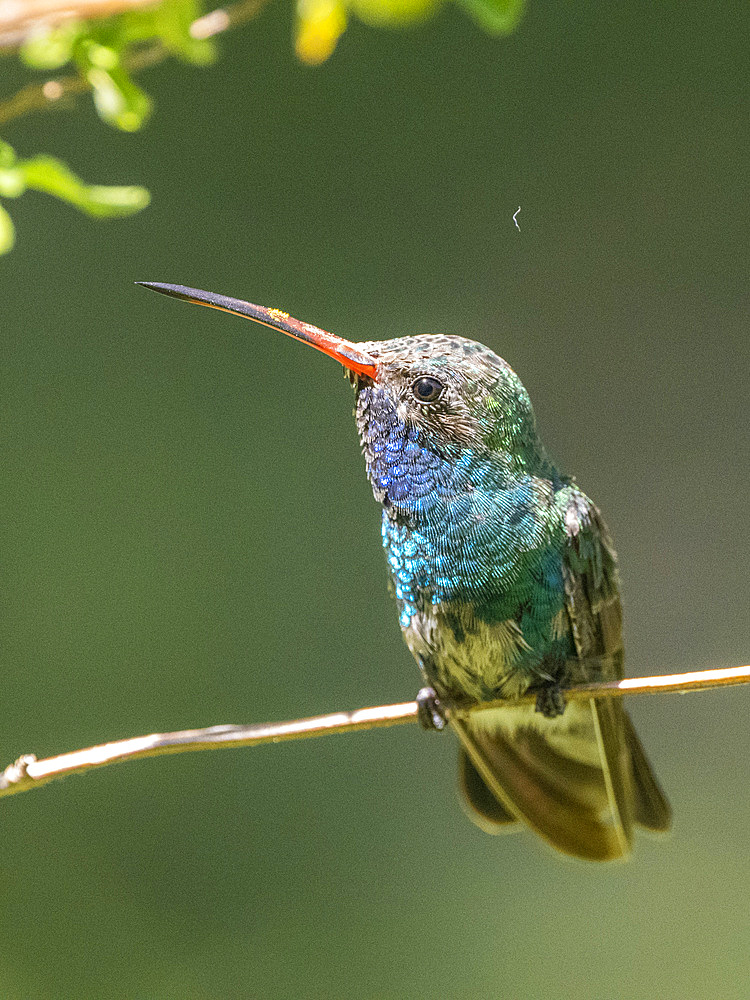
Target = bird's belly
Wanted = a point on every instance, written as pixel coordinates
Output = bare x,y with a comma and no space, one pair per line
475,660
485,661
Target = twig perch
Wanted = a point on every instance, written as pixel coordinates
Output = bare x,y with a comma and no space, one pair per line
28,772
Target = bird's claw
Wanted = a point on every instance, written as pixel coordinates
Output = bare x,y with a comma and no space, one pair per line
429,710
550,701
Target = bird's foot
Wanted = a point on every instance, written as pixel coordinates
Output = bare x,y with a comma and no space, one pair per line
430,713
550,701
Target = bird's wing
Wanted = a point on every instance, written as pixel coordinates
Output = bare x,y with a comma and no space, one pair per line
581,779
594,610
592,601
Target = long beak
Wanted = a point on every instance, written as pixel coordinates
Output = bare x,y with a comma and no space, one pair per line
343,351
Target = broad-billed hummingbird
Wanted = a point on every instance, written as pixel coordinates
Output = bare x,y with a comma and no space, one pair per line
506,583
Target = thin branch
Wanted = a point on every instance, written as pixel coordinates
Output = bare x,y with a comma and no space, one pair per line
28,772
53,92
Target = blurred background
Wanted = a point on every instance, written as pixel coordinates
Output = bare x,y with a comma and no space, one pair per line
188,537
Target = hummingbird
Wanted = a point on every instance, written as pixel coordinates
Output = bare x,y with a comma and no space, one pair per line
506,584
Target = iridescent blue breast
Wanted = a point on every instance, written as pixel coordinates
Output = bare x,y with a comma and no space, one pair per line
473,541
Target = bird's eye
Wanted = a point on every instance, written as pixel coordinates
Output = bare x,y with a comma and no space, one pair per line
427,389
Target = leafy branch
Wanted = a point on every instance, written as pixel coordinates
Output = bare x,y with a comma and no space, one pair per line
108,42
106,52
28,772
48,174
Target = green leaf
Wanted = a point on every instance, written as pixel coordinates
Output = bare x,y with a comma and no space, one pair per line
172,19
7,155
497,17
7,232
393,13
50,48
117,99
319,25
12,182
169,22
110,201
45,173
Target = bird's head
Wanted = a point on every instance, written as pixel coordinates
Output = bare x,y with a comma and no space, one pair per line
452,393
424,403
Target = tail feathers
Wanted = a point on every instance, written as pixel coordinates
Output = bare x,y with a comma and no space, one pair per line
485,808
581,808
652,810
582,791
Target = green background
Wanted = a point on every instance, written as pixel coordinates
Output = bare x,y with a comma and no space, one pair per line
188,538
